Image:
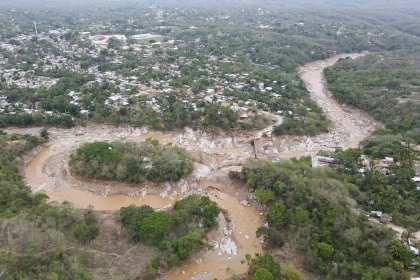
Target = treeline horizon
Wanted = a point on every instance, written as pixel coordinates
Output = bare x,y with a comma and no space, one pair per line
370,4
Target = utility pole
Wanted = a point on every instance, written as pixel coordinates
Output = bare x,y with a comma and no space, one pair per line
36,30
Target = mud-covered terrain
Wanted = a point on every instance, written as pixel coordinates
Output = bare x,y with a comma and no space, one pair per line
214,156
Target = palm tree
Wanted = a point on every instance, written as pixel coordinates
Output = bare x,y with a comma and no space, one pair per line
399,251
396,249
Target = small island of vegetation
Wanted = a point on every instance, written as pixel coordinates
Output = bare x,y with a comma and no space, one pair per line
178,232
131,162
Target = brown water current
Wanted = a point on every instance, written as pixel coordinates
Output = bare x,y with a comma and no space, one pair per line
38,181
246,221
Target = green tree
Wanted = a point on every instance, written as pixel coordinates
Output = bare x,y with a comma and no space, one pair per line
44,133
264,195
397,265
85,233
187,245
266,261
132,216
52,276
170,165
90,216
291,273
277,216
370,275
114,43
274,237
301,218
84,64
400,252
325,250
156,226
260,273
209,211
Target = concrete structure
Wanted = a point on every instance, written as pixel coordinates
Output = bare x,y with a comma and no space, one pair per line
144,36
98,39
318,161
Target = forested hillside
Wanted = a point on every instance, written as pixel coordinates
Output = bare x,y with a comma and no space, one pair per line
314,208
385,84
36,237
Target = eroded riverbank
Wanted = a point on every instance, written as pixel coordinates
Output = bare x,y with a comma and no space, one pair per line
49,172
213,154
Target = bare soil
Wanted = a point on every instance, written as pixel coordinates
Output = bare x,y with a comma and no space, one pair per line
115,256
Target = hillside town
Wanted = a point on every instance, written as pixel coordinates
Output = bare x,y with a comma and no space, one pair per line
142,66
152,49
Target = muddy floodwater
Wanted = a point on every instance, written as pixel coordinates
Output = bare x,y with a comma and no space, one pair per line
236,235
213,265
82,199
234,239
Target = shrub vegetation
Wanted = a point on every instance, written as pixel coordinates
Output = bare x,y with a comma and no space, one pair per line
36,236
315,208
131,162
178,232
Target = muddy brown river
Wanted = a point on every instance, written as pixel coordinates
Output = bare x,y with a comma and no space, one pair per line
233,241
82,199
213,264
230,248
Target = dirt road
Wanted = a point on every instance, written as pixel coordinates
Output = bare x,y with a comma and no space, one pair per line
269,130
415,236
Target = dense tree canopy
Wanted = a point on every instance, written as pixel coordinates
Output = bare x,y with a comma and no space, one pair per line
383,84
314,205
131,162
178,232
